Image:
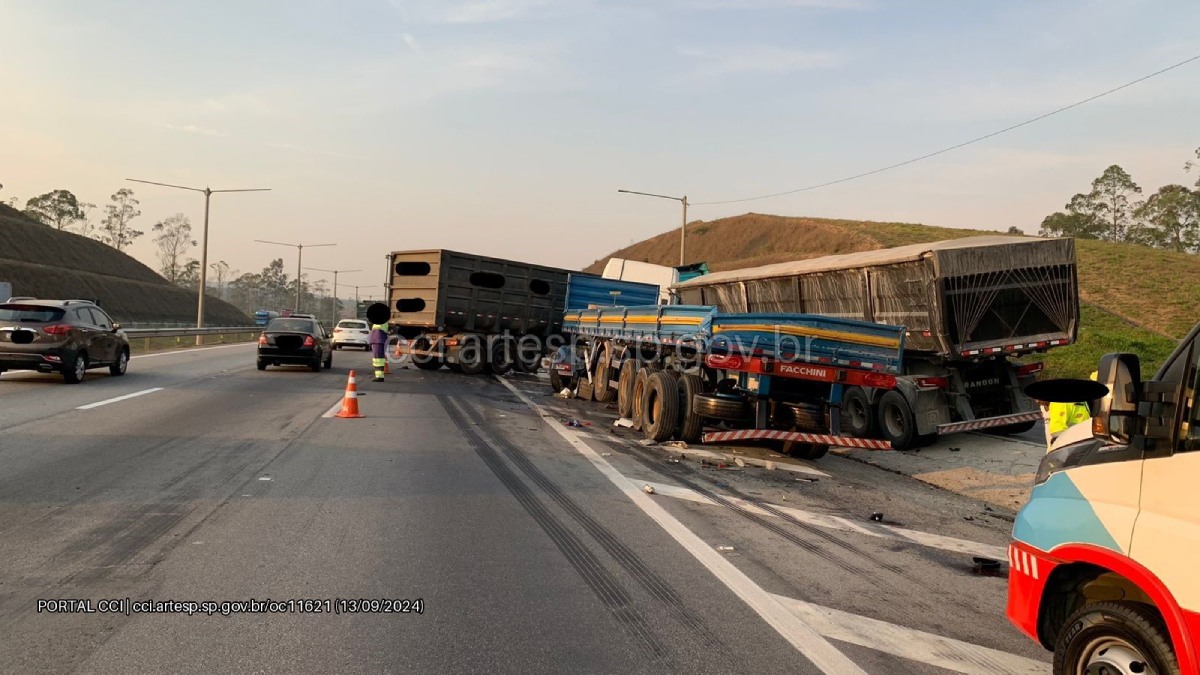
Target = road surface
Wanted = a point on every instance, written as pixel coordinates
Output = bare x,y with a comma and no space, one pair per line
531,546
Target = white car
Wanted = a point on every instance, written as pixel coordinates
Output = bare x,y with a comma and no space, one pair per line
351,332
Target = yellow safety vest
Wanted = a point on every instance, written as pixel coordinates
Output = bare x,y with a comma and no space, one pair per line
1066,415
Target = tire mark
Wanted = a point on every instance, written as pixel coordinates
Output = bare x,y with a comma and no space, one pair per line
602,584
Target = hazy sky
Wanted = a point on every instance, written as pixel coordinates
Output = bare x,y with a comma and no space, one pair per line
506,127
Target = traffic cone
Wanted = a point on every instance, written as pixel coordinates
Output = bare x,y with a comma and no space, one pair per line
386,369
350,400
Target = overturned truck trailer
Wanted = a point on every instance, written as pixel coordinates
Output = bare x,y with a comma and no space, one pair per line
969,306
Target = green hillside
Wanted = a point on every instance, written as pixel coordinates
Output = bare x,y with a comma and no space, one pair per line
47,263
1135,298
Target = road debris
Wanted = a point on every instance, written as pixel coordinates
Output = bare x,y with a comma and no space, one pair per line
986,566
648,489
624,422
676,444
648,442
606,454
576,423
739,461
877,516
724,548
955,449
565,393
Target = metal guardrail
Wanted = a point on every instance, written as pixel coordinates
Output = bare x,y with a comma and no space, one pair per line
186,332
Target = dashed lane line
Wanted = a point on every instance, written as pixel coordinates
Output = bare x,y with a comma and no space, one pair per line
115,399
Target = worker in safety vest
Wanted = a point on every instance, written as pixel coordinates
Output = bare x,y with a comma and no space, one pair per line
378,340
1066,415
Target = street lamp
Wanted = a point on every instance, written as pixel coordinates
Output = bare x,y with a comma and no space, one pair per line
204,245
335,295
299,261
682,229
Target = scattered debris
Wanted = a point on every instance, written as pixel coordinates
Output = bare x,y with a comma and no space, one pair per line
576,423
777,456
720,484
624,422
806,480
606,454
955,449
769,466
724,548
672,460
986,566
648,489
565,393
739,461
968,517
877,516
648,442
264,478
676,444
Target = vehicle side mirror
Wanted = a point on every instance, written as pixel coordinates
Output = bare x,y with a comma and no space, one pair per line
1116,419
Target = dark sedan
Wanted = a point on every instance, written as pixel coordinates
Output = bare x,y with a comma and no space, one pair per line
292,340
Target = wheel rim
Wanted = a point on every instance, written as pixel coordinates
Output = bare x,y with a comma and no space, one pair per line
1113,656
123,362
80,367
893,420
858,414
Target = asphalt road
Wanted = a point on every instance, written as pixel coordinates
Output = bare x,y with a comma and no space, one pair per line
532,547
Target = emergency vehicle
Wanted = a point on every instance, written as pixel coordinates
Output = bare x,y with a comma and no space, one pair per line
1105,557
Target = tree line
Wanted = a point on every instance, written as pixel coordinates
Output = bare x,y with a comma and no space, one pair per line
1114,211
270,289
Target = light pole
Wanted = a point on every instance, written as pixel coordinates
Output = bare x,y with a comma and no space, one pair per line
335,295
682,228
204,245
299,261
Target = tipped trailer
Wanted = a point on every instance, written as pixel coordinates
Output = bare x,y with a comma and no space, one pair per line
475,313
694,374
971,307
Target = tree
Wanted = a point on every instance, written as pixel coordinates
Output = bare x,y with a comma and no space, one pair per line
1172,218
57,208
1079,220
1189,165
117,231
220,270
1112,202
189,274
173,239
87,227
1013,229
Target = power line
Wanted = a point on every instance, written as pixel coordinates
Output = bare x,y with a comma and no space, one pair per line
960,145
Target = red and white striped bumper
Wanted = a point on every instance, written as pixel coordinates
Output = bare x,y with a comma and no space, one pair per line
989,422
798,436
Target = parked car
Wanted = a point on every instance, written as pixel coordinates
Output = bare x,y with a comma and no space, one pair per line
294,340
63,336
351,332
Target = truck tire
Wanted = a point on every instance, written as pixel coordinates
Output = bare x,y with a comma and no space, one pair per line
691,423
1120,634
625,377
502,357
857,415
639,393
718,406
897,424
801,416
804,450
660,406
529,359
471,355
425,362
601,391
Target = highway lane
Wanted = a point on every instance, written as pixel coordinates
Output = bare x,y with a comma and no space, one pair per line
228,484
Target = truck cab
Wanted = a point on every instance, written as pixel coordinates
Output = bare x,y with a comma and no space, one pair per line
1104,567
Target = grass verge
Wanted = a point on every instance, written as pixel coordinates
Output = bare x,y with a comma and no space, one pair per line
1102,333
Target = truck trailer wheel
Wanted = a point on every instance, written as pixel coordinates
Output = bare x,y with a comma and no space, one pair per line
625,377
858,417
1114,637
502,357
472,358
691,422
639,393
425,362
601,391
660,406
529,359
718,406
897,424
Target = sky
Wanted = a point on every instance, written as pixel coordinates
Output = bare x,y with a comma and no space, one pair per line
506,127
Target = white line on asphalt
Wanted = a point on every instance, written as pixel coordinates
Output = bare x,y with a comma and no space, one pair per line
334,410
106,401
791,627
189,351
928,648
846,525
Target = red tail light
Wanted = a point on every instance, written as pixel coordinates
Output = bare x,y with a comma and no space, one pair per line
933,382
1030,369
57,329
309,342
262,339
881,380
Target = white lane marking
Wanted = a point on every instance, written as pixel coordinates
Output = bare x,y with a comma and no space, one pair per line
846,525
190,351
106,401
334,410
791,627
928,648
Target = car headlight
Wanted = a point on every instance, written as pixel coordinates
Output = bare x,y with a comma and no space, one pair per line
1065,457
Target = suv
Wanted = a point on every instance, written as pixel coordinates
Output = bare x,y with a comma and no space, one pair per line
65,336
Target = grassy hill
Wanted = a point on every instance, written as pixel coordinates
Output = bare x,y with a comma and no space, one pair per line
46,263
1135,298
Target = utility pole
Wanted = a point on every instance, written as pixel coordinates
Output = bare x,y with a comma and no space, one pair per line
682,228
299,262
335,295
208,193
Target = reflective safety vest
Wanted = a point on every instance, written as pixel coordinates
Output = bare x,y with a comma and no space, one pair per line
1066,415
378,334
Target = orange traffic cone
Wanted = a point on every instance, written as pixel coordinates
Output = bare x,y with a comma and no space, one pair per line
386,369
350,400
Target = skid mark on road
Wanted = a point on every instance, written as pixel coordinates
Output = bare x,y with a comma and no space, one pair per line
844,524
907,643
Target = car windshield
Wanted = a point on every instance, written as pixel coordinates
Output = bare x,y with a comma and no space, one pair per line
297,325
352,324
31,313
